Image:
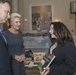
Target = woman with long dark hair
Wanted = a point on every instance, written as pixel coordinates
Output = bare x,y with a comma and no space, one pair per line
63,48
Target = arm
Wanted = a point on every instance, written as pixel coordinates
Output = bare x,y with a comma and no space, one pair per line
68,66
23,50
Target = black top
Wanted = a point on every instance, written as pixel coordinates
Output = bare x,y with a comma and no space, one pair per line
65,61
15,47
14,42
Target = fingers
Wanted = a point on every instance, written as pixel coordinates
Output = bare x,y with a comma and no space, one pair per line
19,58
22,58
46,71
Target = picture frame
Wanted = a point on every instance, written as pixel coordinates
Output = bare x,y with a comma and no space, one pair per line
41,18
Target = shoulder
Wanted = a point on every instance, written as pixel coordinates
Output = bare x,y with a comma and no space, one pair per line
6,32
69,44
70,47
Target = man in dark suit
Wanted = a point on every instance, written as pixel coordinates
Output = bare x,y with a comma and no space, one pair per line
4,55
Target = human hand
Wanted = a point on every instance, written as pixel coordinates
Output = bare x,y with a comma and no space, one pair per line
17,57
46,71
22,58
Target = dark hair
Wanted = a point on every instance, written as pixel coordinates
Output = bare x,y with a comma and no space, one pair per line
3,1
61,32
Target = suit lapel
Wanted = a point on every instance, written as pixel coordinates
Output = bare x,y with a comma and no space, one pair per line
3,39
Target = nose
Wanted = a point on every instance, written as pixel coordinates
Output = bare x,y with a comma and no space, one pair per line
50,31
19,23
8,16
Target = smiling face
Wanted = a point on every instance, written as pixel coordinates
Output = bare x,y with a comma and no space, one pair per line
51,31
4,12
15,23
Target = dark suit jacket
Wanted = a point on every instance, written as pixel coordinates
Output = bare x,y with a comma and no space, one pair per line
4,58
65,61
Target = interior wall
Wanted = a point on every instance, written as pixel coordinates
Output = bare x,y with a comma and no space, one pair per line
60,12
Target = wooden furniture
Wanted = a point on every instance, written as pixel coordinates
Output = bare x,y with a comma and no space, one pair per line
32,71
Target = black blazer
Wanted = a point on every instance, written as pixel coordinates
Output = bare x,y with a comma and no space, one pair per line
4,58
65,61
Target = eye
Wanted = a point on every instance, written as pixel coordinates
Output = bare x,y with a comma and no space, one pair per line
19,22
6,12
16,21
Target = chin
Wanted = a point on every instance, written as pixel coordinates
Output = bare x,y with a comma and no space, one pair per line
17,29
2,21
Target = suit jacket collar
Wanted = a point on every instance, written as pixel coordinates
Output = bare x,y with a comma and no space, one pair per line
3,39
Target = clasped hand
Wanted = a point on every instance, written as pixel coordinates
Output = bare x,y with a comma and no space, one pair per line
20,58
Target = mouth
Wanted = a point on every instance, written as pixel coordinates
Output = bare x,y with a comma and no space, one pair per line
18,27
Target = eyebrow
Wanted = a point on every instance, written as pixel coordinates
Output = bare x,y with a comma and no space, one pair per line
7,11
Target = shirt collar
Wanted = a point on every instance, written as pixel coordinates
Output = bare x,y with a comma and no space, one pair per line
0,30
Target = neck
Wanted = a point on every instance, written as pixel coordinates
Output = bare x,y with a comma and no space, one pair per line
13,30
